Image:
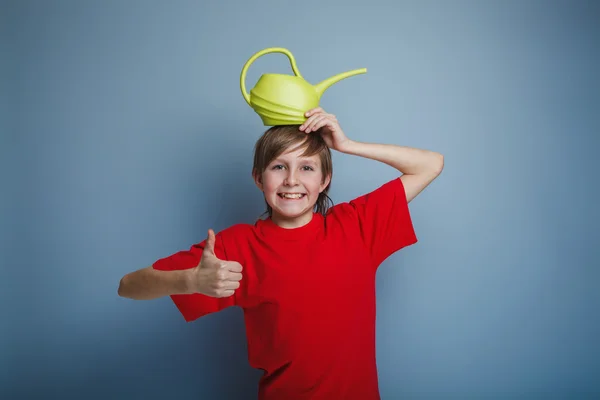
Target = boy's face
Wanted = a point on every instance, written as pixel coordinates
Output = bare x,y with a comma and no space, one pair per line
292,185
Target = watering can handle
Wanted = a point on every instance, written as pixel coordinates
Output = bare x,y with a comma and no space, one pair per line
261,53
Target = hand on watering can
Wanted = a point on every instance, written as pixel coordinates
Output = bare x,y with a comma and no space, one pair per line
331,131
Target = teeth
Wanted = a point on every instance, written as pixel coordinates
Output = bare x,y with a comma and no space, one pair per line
292,196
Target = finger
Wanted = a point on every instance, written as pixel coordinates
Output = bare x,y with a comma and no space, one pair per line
231,285
233,266
330,117
209,247
227,293
313,111
312,126
318,125
325,122
307,122
234,277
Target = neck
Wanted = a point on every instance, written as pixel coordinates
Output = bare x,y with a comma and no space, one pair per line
292,222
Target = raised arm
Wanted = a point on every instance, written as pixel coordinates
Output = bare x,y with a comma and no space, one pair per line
419,167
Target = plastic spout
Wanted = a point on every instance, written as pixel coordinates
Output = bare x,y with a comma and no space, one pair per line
321,87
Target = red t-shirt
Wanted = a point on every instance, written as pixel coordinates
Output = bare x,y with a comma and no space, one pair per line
308,294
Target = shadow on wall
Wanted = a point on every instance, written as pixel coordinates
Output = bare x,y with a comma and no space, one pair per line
137,356
208,357
203,359
129,349
210,354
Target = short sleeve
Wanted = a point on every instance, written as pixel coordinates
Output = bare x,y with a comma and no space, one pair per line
384,220
196,305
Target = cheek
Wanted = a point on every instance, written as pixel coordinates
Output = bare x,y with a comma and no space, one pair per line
269,183
314,186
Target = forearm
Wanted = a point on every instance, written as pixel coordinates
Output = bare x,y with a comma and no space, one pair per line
148,283
407,160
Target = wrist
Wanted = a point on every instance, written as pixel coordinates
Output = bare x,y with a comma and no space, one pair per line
349,146
186,281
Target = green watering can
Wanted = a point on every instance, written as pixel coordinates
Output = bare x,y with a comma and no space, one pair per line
281,99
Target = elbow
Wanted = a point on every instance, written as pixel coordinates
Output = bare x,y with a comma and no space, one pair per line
440,162
437,165
122,289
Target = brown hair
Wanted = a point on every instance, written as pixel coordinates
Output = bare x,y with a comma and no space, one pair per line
278,139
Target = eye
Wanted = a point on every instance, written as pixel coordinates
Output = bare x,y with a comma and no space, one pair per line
277,166
309,168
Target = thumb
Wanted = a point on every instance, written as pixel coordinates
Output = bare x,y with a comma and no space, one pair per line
209,248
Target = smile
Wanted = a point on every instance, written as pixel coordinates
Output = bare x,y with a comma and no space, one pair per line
291,196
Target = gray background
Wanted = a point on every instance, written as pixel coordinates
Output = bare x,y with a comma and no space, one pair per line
125,136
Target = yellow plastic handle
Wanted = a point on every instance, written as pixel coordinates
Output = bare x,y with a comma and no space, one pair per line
262,53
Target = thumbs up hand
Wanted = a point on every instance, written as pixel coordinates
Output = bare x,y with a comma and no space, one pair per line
214,277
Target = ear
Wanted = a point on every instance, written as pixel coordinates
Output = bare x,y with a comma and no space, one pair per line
325,183
257,179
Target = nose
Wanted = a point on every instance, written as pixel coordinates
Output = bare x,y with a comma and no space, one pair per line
290,179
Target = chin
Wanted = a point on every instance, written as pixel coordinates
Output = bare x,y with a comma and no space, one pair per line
286,212
290,215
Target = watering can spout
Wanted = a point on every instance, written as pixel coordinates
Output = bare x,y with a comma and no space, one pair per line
321,87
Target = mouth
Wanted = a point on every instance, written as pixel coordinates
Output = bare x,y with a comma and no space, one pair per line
291,196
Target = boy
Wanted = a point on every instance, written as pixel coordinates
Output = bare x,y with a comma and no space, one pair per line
305,279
